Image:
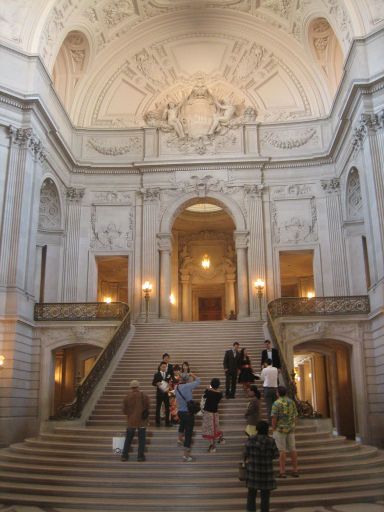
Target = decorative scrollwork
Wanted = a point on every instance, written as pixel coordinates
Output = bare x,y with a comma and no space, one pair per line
301,306
80,311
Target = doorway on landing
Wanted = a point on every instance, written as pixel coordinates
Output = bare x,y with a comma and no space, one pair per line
210,308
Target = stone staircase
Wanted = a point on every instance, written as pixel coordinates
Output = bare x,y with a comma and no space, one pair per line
74,467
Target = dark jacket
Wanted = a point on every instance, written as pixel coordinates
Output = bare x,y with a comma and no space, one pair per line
253,412
231,363
259,453
275,358
133,405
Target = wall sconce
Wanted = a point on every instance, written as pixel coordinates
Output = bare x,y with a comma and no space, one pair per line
259,285
206,263
147,288
2,360
310,295
310,375
172,299
107,300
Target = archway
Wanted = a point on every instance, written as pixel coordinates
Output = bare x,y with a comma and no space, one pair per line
324,378
203,263
231,258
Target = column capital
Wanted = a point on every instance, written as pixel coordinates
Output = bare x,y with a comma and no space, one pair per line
241,239
150,195
254,191
25,137
373,121
331,186
164,241
75,194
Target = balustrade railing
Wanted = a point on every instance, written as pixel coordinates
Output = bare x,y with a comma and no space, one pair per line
80,311
85,312
302,306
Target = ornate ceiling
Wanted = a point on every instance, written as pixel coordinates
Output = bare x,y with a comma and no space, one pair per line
118,63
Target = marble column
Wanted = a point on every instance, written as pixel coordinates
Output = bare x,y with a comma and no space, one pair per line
241,243
256,247
150,255
186,297
71,245
165,249
336,241
230,301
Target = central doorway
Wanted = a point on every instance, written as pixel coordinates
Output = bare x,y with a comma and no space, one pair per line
210,308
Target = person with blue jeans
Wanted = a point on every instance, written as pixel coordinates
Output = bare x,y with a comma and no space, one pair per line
183,394
133,406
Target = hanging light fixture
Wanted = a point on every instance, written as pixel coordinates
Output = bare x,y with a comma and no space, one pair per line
206,263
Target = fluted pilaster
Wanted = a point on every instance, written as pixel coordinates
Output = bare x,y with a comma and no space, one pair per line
72,240
337,248
256,247
150,259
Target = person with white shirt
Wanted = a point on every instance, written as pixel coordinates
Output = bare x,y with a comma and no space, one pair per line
269,376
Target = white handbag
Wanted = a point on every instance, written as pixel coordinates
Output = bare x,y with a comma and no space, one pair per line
118,445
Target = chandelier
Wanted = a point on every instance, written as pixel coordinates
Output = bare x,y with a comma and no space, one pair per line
205,263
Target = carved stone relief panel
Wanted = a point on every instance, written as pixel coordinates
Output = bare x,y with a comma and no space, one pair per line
112,227
294,222
354,197
278,141
320,329
49,209
121,149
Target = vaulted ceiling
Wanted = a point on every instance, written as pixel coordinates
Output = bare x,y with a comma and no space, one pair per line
113,61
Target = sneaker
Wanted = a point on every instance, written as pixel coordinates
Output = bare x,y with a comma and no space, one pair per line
221,440
141,458
180,443
124,459
211,449
295,474
187,458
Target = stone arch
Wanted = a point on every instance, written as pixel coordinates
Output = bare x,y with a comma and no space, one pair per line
70,65
50,209
353,196
227,203
326,50
357,368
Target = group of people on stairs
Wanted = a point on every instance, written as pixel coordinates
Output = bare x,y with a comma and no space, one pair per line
174,392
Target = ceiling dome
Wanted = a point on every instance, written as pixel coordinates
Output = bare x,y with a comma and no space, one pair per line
116,63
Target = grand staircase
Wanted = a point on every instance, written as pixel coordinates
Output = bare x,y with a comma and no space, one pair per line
74,467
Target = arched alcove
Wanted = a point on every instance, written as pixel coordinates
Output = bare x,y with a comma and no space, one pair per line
50,208
70,66
326,50
354,200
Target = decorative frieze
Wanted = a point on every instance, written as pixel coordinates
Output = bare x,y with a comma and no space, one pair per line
110,229
113,197
292,191
150,195
294,221
331,186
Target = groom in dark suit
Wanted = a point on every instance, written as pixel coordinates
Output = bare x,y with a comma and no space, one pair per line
231,367
270,353
160,380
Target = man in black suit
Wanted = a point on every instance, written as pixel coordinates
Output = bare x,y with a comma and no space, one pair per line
169,368
161,380
231,367
270,353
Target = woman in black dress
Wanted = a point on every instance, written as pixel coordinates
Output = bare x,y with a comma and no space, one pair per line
246,377
211,427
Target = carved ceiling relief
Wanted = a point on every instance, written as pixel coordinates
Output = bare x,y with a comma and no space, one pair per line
294,222
49,209
112,226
